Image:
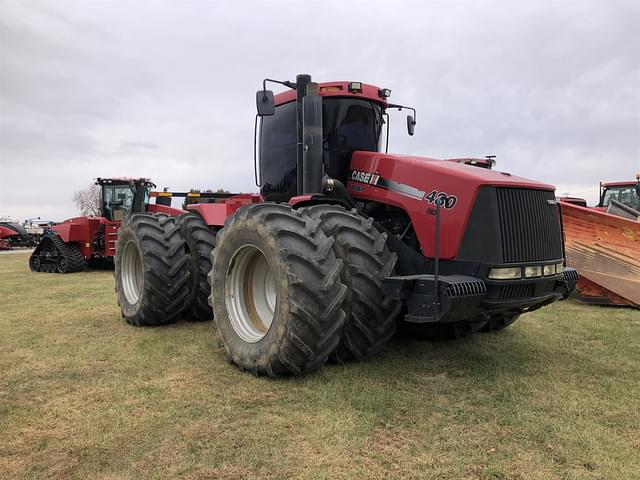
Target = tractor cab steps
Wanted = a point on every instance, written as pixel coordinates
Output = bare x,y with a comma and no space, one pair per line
110,239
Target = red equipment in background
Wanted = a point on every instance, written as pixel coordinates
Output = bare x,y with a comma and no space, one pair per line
603,244
12,234
74,244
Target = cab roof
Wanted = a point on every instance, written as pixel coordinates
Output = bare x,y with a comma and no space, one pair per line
619,184
339,89
123,181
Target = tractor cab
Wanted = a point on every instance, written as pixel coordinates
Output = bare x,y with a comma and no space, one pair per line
121,196
349,116
627,193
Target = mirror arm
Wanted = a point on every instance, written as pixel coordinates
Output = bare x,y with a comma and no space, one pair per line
286,83
400,107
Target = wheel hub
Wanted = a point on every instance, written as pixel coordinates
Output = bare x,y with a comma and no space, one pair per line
250,294
132,272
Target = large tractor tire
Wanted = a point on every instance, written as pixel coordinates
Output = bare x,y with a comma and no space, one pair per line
277,293
53,255
371,316
151,270
200,242
500,322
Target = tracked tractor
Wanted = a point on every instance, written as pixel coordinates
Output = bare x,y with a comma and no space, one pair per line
345,242
74,244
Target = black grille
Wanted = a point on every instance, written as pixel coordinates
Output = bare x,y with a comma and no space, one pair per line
509,292
529,225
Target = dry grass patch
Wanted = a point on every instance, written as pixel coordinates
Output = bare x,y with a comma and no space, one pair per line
83,395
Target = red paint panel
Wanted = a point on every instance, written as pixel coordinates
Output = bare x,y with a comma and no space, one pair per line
216,213
293,201
157,208
78,229
7,232
426,175
336,89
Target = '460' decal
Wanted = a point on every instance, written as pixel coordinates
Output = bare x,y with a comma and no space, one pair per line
441,198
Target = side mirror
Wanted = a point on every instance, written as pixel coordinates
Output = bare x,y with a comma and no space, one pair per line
638,189
411,123
265,103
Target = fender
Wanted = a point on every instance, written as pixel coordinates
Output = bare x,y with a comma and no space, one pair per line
214,214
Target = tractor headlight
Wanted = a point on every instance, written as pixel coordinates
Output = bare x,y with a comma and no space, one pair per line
511,273
549,270
531,272
559,267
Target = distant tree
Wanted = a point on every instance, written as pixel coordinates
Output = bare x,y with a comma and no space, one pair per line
89,200
192,200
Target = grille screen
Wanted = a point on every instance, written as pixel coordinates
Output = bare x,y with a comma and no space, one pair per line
529,225
508,292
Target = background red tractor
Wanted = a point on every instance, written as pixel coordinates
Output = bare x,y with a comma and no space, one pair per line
74,244
13,234
345,242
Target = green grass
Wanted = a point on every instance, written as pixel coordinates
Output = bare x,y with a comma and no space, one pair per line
84,396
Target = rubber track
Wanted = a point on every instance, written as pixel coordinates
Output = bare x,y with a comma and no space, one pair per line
371,320
74,260
316,293
166,273
201,240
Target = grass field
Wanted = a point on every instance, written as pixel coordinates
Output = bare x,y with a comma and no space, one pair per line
84,396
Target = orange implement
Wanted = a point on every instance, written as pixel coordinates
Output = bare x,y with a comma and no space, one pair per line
605,249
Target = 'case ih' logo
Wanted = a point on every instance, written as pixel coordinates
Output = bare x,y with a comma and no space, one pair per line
365,177
435,197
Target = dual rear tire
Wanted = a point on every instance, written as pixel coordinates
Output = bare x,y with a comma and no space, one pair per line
288,288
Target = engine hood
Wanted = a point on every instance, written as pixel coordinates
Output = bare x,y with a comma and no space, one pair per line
411,166
418,184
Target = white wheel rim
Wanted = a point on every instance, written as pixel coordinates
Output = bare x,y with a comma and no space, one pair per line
132,272
250,294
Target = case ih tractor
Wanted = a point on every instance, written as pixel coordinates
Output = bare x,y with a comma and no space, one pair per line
344,242
618,195
75,243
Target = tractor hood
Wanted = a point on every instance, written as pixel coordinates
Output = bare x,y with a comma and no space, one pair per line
418,185
419,170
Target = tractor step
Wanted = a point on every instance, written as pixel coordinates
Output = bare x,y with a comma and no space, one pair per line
458,297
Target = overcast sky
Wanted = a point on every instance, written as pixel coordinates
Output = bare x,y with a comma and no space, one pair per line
167,89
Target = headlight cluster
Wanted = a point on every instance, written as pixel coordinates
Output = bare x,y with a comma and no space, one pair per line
529,271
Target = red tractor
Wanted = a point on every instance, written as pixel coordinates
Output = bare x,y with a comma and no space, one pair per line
12,234
74,244
620,198
345,242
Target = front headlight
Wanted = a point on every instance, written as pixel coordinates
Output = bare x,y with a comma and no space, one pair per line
511,273
531,272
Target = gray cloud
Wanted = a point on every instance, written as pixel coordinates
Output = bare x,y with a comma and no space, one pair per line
166,90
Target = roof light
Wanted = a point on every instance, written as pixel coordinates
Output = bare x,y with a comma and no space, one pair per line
384,92
510,273
355,87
